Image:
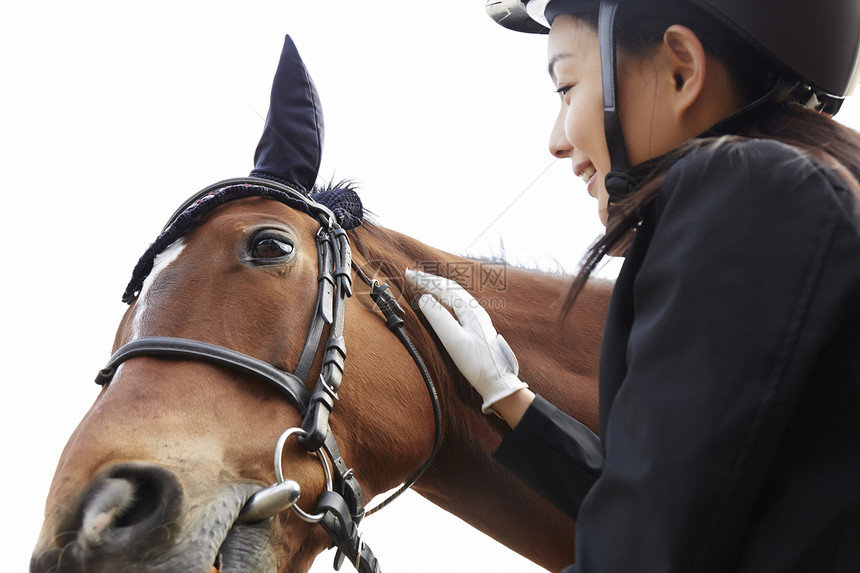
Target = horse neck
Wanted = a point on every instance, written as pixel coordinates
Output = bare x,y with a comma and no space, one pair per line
557,358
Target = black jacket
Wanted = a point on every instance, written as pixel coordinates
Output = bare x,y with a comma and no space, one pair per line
729,380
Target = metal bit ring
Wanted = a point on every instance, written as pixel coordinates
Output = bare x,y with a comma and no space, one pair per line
279,472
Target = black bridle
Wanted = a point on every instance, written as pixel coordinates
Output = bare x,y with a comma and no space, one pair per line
341,507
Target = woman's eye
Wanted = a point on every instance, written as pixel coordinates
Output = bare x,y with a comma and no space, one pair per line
271,248
562,91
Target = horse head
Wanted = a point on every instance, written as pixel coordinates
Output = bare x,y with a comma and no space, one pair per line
210,371
233,434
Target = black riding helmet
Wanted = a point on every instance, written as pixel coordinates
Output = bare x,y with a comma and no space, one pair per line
815,44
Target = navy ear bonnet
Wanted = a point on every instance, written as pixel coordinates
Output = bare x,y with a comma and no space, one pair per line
288,154
290,149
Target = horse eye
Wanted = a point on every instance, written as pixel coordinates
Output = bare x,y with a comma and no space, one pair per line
271,248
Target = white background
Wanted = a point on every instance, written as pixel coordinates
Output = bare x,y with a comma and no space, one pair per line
112,113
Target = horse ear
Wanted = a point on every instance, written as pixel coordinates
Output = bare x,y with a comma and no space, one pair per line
290,148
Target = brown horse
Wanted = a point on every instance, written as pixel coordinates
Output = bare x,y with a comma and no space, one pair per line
155,476
215,364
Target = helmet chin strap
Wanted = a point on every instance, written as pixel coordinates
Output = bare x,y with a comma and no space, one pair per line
618,181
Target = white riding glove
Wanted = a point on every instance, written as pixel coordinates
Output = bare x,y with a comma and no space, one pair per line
481,354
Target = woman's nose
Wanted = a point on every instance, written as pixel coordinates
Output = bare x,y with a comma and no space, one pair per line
559,146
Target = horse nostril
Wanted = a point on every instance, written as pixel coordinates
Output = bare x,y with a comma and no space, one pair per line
130,505
111,501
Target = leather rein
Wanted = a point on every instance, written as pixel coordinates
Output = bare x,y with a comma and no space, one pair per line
341,507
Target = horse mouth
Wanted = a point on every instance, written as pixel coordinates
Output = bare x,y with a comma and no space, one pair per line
245,543
246,549
241,549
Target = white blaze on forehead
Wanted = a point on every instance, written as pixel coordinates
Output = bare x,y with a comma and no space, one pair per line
162,261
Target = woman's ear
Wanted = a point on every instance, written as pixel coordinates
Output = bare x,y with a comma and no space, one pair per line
687,66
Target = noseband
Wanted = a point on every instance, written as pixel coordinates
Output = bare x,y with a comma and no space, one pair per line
340,507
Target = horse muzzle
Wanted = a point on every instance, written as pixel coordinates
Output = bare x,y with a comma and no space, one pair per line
135,517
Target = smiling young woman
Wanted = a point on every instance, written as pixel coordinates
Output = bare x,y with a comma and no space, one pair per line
669,95
729,372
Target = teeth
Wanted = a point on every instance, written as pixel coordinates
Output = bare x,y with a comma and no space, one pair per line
588,173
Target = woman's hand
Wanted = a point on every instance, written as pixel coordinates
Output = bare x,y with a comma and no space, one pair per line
481,354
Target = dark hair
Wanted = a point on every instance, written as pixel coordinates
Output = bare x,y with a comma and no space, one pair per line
638,32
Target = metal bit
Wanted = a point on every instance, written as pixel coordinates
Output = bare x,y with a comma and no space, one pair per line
270,501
